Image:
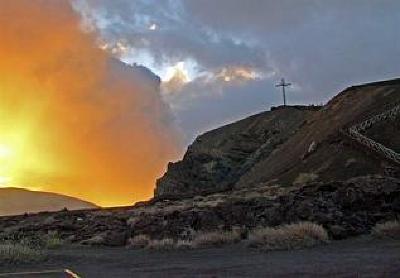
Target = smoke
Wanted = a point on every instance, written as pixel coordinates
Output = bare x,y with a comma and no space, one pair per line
72,119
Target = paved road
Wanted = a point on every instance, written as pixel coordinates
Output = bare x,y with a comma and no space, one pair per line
349,258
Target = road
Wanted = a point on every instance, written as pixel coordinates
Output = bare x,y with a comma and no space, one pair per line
362,257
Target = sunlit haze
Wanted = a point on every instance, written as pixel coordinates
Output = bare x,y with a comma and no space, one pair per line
72,119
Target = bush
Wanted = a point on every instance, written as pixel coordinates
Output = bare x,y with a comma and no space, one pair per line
19,253
217,238
139,241
390,229
293,236
52,240
162,244
184,244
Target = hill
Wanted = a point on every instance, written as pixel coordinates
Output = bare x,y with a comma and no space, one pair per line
290,145
14,201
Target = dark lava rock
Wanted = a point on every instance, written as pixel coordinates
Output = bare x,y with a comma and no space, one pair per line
345,208
217,159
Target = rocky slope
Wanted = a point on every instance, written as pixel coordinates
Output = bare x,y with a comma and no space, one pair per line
289,145
14,201
219,158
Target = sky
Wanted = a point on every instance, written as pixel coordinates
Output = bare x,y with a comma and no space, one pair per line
220,59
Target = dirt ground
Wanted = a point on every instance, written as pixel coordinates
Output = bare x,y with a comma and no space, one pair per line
362,257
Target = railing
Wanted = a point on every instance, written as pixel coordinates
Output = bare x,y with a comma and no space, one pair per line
388,115
355,133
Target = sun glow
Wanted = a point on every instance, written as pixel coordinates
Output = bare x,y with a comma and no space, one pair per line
72,120
5,151
5,154
19,143
179,69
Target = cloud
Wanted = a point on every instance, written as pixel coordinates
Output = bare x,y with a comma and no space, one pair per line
320,46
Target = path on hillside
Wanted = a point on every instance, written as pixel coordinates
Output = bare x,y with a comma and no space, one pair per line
349,258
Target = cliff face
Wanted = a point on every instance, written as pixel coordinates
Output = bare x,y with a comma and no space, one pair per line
291,146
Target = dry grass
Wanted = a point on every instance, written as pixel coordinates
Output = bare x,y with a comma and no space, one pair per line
139,241
184,244
52,241
390,229
293,236
162,244
217,238
18,253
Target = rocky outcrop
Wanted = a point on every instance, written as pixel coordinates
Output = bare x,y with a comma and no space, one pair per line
217,159
345,208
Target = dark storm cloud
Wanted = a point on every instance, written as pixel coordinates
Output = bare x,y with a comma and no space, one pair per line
321,46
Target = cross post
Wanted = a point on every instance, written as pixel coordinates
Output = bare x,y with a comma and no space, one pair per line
283,84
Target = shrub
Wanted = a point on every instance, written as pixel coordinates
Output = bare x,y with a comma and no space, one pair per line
52,240
162,244
184,244
18,253
390,229
293,236
139,241
217,238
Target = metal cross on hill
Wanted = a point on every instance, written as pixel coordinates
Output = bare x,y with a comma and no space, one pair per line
283,84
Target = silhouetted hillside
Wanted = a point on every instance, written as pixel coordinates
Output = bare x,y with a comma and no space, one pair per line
14,201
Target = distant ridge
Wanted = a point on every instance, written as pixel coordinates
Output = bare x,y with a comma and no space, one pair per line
390,82
15,201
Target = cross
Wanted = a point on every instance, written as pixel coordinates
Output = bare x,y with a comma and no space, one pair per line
283,84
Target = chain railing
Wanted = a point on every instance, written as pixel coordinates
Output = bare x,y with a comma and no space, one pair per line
355,133
388,115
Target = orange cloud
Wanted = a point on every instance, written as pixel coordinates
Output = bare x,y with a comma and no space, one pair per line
237,74
74,120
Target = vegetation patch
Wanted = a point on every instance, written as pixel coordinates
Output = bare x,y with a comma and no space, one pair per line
216,238
52,240
286,237
390,229
139,241
162,244
19,253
